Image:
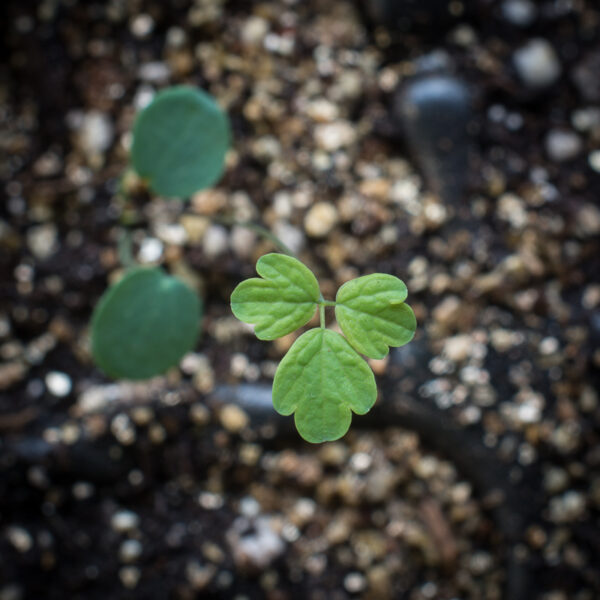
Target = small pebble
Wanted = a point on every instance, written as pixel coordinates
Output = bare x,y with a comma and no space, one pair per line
594,160
333,136
568,507
322,110
360,462
42,240
294,238
249,507
96,133
154,72
254,542
20,538
321,219
254,30
129,576
142,25
519,12
124,521
82,490
210,501
555,480
199,575
199,414
58,384
233,418
215,241
537,64
562,145
130,550
151,250
355,583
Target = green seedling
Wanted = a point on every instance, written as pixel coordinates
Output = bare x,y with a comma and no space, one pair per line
144,324
180,141
323,379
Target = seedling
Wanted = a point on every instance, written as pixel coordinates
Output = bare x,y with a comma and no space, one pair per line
144,324
179,142
323,379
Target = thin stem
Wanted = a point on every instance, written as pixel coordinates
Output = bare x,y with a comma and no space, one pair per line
125,248
322,315
123,185
328,302
259,229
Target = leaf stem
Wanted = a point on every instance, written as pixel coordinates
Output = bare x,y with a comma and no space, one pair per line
322,315
259,229
125,248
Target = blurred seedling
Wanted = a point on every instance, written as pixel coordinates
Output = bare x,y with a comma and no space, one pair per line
145,323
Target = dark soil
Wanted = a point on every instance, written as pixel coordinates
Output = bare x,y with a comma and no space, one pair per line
476,476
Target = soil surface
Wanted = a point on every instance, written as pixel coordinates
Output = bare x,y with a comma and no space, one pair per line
454,145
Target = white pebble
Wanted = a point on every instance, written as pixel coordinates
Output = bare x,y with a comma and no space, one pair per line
548,346
254,30
594,160
20,538
537,64
360,462
242,241
292,236
333,136
355,582
321,219
142,25
42,240
143,97
519,12
568,507
563,145
172,233
130,550
96,133
129,576
124,520
154,72
322,110
210,501
255,542
215,240
249,506
82,490
151,250
58,384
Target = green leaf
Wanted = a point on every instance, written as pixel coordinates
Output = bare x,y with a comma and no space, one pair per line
179,142
372,314
282,301
144,324
323,380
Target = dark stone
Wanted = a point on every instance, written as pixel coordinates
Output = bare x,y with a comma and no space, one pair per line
434,111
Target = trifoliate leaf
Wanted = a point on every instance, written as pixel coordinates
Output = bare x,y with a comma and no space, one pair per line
322,379
179,142
144,324
372,314
282,301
